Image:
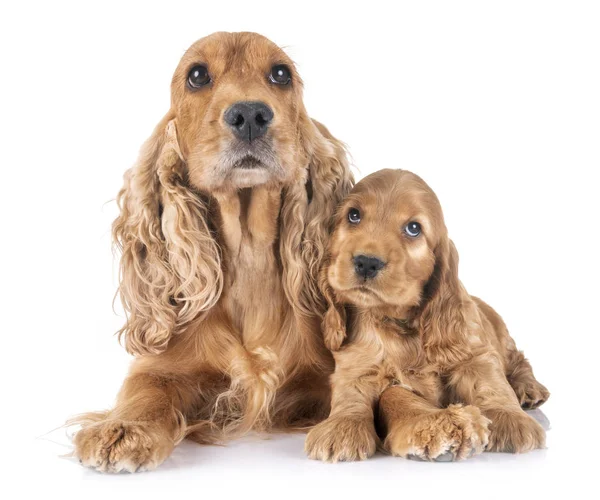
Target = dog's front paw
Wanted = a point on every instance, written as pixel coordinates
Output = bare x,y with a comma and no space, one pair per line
341,439
454,433
514,431
118,446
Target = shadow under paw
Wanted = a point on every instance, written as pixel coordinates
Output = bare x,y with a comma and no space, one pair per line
514,432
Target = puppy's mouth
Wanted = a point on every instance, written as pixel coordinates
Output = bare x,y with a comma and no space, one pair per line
361,295
365,290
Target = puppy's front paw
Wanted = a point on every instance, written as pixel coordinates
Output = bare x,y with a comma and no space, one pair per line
118,446
341,439
454,433
514,431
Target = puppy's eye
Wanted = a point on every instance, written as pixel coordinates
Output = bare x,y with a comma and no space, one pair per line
198,76
280,74
353,216
413,229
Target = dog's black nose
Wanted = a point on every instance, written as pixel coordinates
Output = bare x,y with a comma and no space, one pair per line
367,267
249,120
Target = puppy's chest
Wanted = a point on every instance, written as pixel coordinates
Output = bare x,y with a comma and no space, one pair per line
405,363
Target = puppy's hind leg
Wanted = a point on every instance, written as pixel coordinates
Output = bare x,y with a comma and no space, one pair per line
529,391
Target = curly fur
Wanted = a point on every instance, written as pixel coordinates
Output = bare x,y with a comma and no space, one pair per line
170,264
440,364
219,266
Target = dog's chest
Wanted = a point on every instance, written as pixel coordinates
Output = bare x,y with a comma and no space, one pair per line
253,294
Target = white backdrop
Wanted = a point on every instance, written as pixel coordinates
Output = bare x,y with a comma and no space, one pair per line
495,104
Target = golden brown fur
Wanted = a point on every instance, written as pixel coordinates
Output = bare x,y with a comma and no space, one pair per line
439,362
220,266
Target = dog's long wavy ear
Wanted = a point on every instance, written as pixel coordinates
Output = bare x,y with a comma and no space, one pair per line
442,316
307,216
170,270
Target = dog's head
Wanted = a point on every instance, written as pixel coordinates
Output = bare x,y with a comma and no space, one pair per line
236,121
237,102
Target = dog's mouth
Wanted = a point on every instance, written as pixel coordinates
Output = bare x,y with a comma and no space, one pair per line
248,162
257,155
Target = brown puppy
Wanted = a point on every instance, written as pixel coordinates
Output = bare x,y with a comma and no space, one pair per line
392,277
223,226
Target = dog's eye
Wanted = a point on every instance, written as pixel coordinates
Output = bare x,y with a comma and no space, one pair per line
198,76
353,216
280,74
413,229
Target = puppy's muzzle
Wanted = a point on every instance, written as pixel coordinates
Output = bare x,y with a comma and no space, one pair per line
248,120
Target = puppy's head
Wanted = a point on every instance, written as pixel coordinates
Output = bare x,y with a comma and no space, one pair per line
386,242
237,99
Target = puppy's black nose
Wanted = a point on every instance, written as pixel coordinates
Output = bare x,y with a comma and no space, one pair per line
367,267
248,119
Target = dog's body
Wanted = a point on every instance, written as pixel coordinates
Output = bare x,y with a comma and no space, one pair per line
411,324
223,226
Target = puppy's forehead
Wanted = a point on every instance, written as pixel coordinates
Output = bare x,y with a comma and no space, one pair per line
389,194
240,51
393,188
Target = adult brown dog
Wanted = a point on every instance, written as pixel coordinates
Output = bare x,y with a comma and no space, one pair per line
451,364
223,226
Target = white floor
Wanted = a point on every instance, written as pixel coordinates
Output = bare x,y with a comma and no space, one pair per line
277,468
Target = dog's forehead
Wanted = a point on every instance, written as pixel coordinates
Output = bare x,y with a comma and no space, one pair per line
240,51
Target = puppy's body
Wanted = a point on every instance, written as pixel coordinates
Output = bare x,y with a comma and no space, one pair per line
411,324
223,226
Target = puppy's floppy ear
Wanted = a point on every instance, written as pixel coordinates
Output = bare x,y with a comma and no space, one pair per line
334,319
307,215
170,269
442,316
